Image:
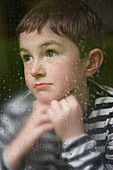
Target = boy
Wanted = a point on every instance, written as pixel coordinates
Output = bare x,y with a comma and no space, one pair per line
69,127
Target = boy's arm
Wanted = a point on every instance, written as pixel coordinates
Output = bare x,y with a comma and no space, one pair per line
81,153
79,150
13,115
13,147
8,128
27,138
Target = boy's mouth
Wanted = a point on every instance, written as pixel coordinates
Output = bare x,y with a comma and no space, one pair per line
42,85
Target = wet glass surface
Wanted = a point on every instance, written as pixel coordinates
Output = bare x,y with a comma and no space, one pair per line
11,67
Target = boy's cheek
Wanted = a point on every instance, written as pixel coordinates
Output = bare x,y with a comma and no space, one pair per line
63,77
60,75
27,77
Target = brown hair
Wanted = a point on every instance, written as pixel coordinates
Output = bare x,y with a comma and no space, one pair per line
71,18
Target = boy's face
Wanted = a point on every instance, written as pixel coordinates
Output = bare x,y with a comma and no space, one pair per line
52,65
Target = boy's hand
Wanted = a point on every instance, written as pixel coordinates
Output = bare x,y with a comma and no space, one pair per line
67,117
64,116
37,124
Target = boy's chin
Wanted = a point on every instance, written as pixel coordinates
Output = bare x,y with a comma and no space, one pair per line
47,102
47,99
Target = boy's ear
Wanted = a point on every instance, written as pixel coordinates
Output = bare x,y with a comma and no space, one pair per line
95,59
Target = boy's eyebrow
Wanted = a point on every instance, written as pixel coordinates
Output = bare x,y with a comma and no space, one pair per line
50,43
23,50
43,45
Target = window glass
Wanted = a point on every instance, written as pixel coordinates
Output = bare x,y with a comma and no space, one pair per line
12,81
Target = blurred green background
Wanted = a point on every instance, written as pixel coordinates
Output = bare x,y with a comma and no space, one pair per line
11,67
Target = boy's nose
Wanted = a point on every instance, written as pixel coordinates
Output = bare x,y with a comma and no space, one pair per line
37,70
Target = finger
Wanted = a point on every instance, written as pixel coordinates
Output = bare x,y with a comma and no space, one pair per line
45,120
56,106
65,105
44,128
38,120
54,116
75,104
71,97
39,110
51,114
72,101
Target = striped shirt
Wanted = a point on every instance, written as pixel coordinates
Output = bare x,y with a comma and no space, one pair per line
93,150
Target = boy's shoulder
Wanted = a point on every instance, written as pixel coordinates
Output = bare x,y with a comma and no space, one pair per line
105,94
102,93
103,103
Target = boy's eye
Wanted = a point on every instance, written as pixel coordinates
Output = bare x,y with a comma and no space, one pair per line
51,53
26,58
